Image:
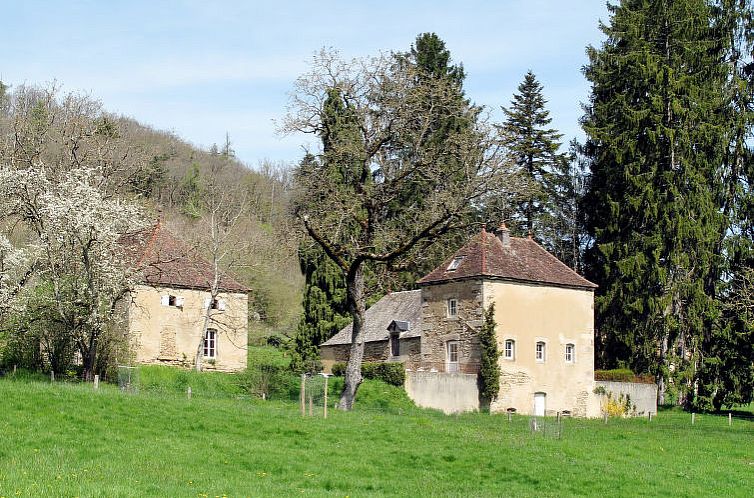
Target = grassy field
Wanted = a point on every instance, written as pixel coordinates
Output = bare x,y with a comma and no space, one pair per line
68,440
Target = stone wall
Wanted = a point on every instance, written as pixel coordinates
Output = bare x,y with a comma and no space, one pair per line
643,397
375,351
170,335
438,328
449,392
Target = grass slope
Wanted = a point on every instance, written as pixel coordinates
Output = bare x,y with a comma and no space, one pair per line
68,440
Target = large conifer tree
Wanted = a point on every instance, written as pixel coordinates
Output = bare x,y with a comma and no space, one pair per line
655,145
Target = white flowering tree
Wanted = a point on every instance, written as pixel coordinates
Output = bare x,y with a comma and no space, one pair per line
63,168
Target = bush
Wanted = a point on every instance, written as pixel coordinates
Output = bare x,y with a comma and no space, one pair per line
622,375
389,373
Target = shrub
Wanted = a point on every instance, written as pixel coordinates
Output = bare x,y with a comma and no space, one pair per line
622,375
389,373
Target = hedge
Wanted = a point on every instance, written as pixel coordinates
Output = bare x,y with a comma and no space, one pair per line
622,375
390,373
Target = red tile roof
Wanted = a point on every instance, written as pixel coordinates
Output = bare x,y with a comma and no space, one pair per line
523,261
166,261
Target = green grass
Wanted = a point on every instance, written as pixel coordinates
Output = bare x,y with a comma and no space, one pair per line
68,440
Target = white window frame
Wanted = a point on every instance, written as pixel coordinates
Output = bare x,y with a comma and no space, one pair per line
210,344
452,348
540,351
453,266
452,307
509,349
570,353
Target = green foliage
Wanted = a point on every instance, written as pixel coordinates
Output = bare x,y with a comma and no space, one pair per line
489,368
664,184
389,373
622,375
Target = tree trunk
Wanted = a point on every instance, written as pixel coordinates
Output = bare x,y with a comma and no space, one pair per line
90,357
355,290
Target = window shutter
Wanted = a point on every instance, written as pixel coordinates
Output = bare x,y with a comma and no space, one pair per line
206,303
221,304
165,300
179,301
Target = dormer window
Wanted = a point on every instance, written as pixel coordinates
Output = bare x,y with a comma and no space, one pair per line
453,266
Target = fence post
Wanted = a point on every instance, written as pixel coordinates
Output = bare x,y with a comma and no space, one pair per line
14,370
650,416
96,382
693,415
325,405
303,395
52,376
311,405
730,419
509,416
605,417
188,392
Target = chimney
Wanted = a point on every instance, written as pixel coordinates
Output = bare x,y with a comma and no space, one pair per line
504,235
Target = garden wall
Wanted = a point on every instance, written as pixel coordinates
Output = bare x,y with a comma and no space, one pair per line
643,396
449,392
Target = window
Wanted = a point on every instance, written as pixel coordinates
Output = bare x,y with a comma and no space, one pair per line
570,353
452,363
453,266
210,344
214,304
539,354
452,307
171,300
509,353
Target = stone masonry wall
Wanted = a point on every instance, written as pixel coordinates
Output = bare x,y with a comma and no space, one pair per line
438,328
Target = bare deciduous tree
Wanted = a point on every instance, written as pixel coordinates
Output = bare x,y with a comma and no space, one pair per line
385,188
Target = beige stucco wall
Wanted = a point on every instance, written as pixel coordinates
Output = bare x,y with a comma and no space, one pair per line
171,334
529,313
449,392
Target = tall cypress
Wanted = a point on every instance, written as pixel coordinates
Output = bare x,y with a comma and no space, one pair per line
654,126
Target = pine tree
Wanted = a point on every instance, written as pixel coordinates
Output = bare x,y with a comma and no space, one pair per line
534,147
654,147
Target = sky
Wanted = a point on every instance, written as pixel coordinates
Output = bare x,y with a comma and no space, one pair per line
201,69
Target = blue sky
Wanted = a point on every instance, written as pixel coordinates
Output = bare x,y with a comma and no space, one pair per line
204,68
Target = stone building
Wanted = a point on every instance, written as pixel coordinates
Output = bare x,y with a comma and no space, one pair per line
392,333
167,308
544,314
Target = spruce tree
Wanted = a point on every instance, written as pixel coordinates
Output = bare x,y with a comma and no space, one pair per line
534,148
654,146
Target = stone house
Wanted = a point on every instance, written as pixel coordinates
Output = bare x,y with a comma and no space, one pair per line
392,333
167,307
544,314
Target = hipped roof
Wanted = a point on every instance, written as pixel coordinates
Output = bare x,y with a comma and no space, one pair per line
165,261
523,260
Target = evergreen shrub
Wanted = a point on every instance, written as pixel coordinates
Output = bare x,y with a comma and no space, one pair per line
389,373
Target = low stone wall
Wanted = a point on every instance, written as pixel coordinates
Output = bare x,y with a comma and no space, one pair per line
449,392
642,396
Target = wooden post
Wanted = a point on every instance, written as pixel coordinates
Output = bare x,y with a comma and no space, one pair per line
325,405
303,395
14,369
605,417
311,406
730,419
509,416
188,392
650,416
693,415
52,376
96,382
558,419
